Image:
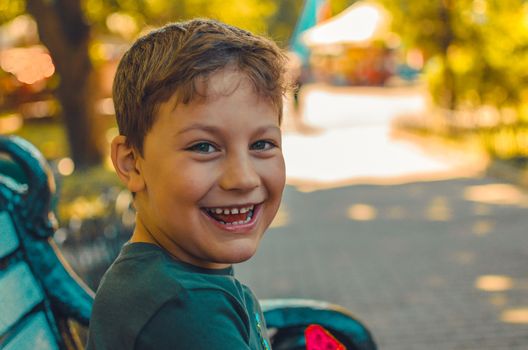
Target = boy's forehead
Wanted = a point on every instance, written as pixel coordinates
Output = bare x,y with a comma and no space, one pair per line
221,83
209,90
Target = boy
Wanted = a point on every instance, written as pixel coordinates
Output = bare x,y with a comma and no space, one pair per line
198,106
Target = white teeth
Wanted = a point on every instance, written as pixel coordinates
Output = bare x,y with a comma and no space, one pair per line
248,219
227,211
234,211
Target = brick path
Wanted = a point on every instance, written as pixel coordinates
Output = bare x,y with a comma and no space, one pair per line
410,269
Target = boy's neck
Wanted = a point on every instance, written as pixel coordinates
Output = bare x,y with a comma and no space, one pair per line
142,235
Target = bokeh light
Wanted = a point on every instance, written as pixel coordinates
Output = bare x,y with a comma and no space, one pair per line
29,65
494,283
65,166
519,316
499,194
10,123
362,212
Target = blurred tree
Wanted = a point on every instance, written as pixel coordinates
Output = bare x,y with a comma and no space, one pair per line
282,23
70,29
10,9
339,5
476,54
64,31
477,50
427,25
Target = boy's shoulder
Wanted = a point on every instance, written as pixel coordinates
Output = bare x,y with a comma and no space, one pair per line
144,280
144,271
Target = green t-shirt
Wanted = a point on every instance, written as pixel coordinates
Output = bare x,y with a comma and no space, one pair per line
148,300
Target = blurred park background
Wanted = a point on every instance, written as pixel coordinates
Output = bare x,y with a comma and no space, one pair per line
423,100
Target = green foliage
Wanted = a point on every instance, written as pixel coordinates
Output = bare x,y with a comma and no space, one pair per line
80,193
247,14
48,137
418,22
9,9
282,23
477,67
478,49
270,17
337,6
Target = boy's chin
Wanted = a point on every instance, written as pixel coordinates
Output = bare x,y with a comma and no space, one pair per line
239,256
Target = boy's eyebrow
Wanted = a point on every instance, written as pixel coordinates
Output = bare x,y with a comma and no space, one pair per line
214,130
196,126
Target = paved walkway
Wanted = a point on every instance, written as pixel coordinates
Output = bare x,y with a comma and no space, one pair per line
430,255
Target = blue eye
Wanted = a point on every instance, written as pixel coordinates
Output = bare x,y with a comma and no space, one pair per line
203,147
262,145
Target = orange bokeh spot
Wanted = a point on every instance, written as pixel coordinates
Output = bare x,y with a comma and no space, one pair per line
29,65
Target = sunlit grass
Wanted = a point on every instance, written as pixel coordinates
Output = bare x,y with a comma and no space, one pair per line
49,137
80,192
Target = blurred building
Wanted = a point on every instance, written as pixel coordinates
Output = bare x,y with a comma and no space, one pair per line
355,47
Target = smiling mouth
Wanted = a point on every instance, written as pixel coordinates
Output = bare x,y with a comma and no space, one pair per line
231,216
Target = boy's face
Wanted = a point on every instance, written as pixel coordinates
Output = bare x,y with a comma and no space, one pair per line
213,174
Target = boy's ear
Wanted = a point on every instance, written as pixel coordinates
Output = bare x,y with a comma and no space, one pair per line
126,163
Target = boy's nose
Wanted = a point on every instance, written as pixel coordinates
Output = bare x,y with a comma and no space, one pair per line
239,174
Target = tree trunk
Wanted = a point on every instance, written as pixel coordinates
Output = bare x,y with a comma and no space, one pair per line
449,96
63,30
